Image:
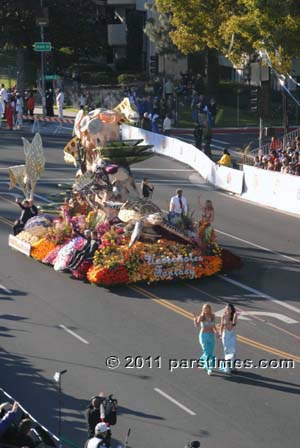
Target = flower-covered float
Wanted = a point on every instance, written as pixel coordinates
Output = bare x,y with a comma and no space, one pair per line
99,229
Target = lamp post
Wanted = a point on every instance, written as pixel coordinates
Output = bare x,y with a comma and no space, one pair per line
57,378
42,21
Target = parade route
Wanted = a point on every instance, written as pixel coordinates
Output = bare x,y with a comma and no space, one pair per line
138,342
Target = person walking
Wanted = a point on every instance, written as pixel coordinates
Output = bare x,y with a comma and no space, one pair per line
60,98
147,189
207,336
228,335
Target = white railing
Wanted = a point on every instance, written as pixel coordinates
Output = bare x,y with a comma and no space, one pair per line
265,149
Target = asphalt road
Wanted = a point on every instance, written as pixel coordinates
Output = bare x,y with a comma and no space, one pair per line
50,322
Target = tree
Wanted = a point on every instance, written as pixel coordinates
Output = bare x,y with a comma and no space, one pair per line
158,30
72,24
236,27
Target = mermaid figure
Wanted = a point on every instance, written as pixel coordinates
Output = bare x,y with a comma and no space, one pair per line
207,336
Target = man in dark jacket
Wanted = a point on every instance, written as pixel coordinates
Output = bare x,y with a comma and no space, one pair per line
29,210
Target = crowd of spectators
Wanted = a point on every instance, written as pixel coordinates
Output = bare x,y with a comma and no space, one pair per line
17,429
282,159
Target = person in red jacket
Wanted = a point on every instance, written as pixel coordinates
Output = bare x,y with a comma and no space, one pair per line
9,114
30,103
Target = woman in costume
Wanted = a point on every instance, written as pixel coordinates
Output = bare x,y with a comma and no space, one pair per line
206,231
207,336
228,334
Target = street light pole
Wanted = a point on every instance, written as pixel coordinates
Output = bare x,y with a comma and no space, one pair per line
260,107
42,66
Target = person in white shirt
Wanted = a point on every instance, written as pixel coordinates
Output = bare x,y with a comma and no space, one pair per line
178,204
167,125
60,98
19,111
3,93
2,108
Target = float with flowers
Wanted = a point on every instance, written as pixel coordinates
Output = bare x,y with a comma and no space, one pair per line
99,229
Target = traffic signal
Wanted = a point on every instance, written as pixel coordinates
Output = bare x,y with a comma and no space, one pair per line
255,94
154,64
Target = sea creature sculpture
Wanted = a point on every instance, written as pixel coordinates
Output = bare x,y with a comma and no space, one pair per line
26,176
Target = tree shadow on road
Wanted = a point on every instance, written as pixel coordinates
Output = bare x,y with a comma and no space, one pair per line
257,380
39,396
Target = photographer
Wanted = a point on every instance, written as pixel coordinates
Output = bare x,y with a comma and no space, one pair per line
101,439
101,408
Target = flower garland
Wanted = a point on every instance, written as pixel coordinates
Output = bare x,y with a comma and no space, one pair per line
41,249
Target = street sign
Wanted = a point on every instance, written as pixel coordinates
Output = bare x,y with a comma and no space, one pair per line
51,77
42,46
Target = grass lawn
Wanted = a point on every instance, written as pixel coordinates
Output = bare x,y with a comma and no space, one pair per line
227,117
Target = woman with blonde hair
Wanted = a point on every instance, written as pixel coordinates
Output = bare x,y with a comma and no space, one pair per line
207,336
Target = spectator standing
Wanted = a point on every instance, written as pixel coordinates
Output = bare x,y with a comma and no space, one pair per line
19,111
169,88
60,98
207,137
8,419
167,125
49,103
194,102
275,144
154,119
212,112
9,114
4,95
198,134
2,109
30,103
146,122
147,189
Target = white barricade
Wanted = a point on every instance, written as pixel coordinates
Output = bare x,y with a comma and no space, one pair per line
225,178
280,191
229,179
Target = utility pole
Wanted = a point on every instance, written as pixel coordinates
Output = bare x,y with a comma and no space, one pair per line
42,65
284,115
260,139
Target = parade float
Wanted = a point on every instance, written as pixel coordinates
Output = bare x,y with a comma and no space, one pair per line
135,240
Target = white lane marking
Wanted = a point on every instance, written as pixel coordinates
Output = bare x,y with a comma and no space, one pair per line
181,406
74,334
243,315
8,291
258,246
261,294
278,316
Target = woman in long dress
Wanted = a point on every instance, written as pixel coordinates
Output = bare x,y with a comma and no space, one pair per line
228,335
206,231
207,336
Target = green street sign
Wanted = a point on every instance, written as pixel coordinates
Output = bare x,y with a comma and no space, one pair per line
42,46
51,77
